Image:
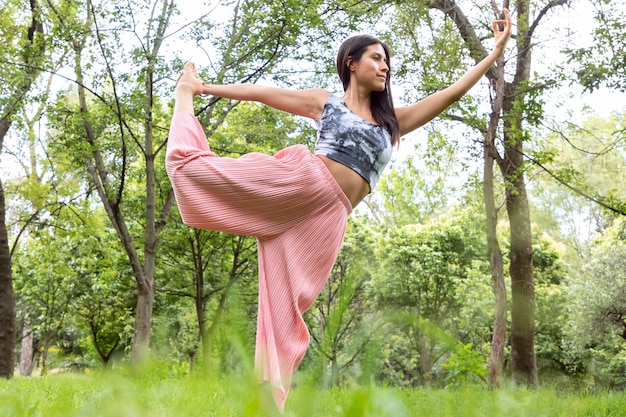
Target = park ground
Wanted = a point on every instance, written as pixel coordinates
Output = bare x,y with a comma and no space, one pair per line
157,392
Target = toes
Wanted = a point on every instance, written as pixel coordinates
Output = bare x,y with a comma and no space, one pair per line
191,67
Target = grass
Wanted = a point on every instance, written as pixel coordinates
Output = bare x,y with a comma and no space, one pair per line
156,393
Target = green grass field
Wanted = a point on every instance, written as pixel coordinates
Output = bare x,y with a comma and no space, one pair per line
157,393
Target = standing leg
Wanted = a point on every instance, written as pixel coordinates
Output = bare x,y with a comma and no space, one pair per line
293,269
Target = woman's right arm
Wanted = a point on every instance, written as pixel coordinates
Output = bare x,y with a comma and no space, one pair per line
413,116
307,103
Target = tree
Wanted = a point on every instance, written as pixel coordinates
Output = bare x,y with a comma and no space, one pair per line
135,119
578,209
40,196
46,288
413,191
213,262
578,191
602,61
104,303
23,42
515,108
551,284
422,267
511,164
598,308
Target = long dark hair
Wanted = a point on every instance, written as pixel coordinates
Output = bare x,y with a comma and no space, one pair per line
382,103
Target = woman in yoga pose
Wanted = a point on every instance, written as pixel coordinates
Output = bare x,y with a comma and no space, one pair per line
296,203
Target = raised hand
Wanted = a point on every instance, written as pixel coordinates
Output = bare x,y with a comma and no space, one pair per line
502,31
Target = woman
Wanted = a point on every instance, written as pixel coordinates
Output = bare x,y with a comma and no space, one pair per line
297,203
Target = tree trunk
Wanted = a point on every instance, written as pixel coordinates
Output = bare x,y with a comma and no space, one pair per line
494,254
207,335
523,360
496,355
425,364
524,365
7,297
8,330
27,355
143,322
334,370
44,354
200,310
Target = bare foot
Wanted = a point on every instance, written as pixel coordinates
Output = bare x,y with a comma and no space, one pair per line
188,81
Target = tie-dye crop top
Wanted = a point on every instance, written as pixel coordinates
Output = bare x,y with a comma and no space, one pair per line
347,138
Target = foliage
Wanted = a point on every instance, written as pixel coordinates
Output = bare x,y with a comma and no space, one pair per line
342,322
69,284
597,307
602,62
586,160
199,270
465,365
251,127
423,268
409,194
551,312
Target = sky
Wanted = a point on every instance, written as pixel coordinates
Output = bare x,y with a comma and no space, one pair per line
579,19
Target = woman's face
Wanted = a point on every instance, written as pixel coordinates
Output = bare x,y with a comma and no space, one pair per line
372,70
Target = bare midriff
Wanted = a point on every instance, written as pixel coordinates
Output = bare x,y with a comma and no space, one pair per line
352,184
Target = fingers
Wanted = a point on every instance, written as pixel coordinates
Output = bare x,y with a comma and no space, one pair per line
507,18
205,89
503,25
499,26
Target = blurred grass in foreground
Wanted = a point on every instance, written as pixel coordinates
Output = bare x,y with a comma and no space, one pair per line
156,392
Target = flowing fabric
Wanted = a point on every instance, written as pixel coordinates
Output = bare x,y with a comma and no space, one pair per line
296,210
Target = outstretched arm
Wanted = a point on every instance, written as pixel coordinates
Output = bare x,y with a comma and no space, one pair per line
307,103
416,115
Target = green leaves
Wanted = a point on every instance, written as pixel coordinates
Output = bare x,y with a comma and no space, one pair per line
604,61
465,365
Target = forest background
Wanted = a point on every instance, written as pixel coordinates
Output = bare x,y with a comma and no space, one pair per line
451,272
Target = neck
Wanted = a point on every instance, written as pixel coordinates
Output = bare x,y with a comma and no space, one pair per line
358,99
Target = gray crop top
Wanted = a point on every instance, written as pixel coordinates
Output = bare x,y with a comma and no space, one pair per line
347,138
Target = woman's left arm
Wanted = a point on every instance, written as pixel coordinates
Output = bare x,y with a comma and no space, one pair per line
416,115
